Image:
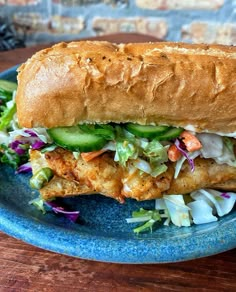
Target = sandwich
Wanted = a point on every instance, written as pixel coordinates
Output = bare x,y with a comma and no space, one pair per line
140,120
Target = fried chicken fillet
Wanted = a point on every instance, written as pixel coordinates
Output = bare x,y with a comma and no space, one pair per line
103,175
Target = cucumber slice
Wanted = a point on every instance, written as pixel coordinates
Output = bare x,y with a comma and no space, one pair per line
74,139
105,131
8,85
146,131
171,134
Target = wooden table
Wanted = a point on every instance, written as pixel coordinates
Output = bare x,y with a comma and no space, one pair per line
27,268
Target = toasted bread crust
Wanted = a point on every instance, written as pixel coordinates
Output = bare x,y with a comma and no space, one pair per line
148,83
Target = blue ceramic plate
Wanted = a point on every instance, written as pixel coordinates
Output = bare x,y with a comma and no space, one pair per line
103,234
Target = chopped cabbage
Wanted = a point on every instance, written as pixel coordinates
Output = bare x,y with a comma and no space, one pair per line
201,212
206,206
228,155
212,145
179,212
180,162
142,165
4,138
41,133
221,149
221,205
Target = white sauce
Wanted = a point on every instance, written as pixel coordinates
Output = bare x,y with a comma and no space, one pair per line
193,129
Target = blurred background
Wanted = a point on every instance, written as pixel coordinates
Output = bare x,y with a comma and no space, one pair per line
29,22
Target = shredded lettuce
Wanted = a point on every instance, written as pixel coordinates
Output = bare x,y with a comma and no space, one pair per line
125,147
150,217
125,150
157,151
158,169
7,115
38,203
5,95
8,156
154,155
7,105
147,156
157,156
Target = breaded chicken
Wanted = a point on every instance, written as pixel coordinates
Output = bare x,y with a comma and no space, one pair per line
207,174
142,186
100,175
74,176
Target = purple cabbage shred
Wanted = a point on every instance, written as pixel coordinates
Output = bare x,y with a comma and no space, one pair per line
225,195
184,152
18,147
31,133
21,145
71,215
37,144
26,167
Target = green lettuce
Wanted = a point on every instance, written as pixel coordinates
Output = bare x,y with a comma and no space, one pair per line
6,115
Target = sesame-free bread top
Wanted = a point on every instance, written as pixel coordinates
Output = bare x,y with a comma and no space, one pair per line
192,86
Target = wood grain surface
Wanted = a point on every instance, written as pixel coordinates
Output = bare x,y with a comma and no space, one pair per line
27,268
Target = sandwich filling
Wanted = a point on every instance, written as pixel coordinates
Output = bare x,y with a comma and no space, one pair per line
124,161
142,168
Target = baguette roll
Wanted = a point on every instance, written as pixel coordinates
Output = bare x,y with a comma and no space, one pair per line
182,85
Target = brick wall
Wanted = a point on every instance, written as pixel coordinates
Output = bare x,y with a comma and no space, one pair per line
176,20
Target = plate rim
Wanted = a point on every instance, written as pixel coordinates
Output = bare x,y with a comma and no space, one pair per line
21,228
